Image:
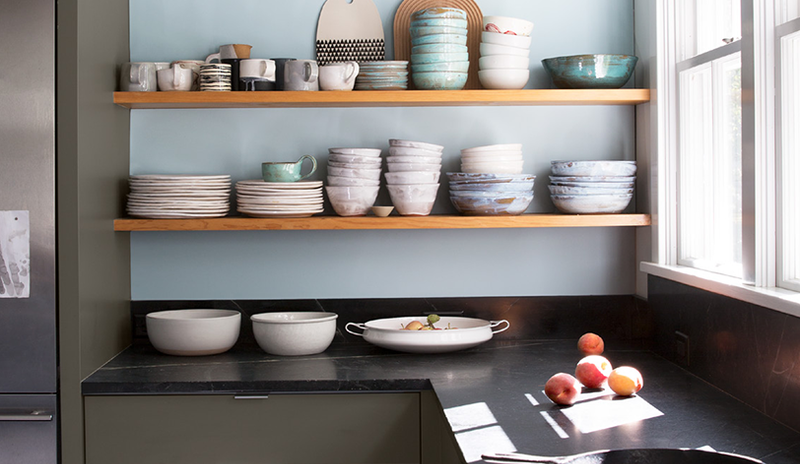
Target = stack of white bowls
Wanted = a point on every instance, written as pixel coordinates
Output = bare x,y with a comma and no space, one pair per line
439,54
491,194
592,187
505,50
382,75
354,178
493,159
413,177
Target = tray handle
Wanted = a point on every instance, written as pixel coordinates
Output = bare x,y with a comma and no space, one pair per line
357,325
494,324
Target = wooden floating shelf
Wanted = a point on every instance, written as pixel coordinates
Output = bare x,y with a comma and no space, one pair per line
373,98
389,223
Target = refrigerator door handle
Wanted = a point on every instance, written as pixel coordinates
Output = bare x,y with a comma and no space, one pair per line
14,416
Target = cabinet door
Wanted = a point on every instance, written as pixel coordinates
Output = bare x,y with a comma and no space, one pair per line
216,429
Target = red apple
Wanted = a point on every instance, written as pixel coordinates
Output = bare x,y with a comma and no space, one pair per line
590,343
592,371
562,389
625,381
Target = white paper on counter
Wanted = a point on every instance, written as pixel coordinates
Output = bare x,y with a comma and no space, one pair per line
15,254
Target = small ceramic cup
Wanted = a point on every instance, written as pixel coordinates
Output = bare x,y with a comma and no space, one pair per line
194,65
230,52
139,76
338,76
301,75
175,78
258,69
287,172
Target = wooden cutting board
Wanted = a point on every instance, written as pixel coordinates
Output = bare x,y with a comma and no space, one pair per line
350,32
402,38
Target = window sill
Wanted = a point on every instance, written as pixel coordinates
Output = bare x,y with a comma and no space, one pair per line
778,299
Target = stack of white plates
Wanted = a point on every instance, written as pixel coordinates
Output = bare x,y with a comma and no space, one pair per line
179,196
279,199
382,75
493,159
592,187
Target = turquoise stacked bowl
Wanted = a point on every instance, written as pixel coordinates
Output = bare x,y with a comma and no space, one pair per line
439,56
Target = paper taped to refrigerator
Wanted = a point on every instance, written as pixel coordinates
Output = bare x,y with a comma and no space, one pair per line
15,254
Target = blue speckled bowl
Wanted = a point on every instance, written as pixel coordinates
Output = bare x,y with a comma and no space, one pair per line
439,48
439,12
590,71
428,30
439,38
440,22
440,80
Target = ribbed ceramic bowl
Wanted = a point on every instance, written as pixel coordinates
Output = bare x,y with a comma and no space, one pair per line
591,204
431,30
427,58
352,201
491,203
337,181
356,151
370,160
439,38
413,159
447,66
361,173
415,144
440,22
413,200
439,12
565,190
491,187
465,177
439,48
405,167
593,168
409,151
440,80
294,333
590,71
412,177
193,332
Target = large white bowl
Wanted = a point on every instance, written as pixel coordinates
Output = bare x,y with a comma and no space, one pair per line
591,204
361,173
294,333
504,79
412,177
504,62
337,181
352,201
490,49
493,168
505,24
414,144
387,333
593,168
193,332
371,160
516,147
509,155
413,159
598,179
404,151
356,151
402,167
518,41
566,190
413,200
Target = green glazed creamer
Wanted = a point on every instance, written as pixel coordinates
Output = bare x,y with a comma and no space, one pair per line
287,172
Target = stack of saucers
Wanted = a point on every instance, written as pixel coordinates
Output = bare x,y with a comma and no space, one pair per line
354,179
505,50
215,77
382,75
592,187
413,177
439,54
493,159
279,199
179,196
491,194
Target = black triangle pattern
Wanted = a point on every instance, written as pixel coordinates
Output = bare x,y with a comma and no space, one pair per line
335,51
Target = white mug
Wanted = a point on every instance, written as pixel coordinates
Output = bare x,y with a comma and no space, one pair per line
338,76
175,78
257,69
138,77
194,65
301,75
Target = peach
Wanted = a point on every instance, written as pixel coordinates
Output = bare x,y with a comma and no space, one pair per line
414,325
590,343
592,371
625,381
562,389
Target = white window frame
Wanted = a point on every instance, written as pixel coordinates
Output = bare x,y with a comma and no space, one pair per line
760,263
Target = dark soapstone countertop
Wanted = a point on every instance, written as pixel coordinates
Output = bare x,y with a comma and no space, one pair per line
492,395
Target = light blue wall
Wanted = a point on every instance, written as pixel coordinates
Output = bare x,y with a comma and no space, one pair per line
353,264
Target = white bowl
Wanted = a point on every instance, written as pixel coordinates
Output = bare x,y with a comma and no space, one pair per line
516,147
413,144
405,151
356,151
412,177
413,159
361,173
493,168
489,49
352,201
567,190
491,159
402,167
504,62
337,181
294,333
596,185
504,24
413,200
193,332
372,160
333,164
500,155
518,41
598,179
504,79
591,204
593,168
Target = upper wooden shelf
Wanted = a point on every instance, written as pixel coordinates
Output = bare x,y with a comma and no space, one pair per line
372,98
376,223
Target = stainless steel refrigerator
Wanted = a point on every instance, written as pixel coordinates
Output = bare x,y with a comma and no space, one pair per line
28,286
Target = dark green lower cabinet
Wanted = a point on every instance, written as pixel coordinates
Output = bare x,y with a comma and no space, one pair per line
223,429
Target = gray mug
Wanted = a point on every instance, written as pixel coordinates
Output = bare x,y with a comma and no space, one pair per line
301,75
138,76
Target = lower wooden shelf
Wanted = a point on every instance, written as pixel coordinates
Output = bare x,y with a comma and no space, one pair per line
389,223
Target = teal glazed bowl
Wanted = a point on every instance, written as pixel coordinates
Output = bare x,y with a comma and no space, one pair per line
590,71
440,80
